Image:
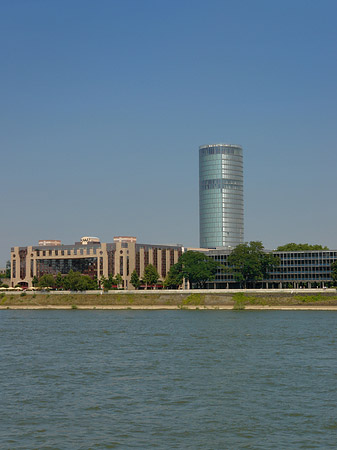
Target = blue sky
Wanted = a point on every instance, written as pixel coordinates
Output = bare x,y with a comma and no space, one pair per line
105,103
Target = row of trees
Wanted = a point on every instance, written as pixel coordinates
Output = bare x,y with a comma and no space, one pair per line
292,247
195,267
73,281
6,276
247,263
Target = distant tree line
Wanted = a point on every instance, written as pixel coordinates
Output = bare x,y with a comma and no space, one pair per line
292,247
73,281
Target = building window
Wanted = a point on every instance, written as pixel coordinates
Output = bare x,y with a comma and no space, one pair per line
86,266
171,258
146,258
138,263
155,258
111,262
163,263
22,255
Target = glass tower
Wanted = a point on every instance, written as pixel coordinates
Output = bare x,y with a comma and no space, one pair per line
221,195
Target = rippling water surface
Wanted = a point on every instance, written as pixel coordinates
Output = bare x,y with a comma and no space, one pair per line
168,379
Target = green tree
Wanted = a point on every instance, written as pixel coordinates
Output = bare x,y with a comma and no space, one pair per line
174,278
8,269
119,279
112,280
151,276
35,281
334,271
47,280
106,283
292,247
198,268
59,280
135,281
75,281
250,263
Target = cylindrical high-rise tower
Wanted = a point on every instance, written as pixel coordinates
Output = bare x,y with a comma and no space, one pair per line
221,195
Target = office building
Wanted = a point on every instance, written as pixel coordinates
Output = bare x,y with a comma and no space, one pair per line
93,258
296,269
221,195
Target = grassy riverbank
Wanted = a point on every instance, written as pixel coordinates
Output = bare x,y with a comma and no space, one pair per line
166,299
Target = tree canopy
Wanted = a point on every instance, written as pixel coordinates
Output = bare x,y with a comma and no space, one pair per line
8,269
174,278
334,271
75,281
250,263
118,280
292,247
198,268
135,281
46,280
151,276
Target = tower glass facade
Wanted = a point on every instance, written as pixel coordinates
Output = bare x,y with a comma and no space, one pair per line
221,195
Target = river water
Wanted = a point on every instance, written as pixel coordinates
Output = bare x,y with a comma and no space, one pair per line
168,379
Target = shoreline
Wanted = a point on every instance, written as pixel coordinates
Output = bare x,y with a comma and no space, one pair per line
172,307
156,300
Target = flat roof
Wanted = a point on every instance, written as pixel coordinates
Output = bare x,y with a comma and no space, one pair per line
220,145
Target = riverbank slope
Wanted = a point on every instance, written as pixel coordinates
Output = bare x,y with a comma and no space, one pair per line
203,299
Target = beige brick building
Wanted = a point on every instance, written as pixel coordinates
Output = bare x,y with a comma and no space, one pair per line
90,257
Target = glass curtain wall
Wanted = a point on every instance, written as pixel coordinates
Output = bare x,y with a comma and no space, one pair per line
221,195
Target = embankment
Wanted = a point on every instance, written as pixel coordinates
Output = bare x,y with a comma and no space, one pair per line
243,299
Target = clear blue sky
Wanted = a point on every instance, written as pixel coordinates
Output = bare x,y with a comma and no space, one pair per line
105,103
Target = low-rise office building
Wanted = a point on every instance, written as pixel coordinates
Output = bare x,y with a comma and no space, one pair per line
90,257
303,268
296,269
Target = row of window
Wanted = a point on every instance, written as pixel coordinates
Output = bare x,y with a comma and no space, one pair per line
284,265
221,174
220,151
299,255
215,164
75,251
218,196
225,185
222,218
221,214
87,266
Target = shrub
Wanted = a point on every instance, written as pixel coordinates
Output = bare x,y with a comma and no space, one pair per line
194,299
239,301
